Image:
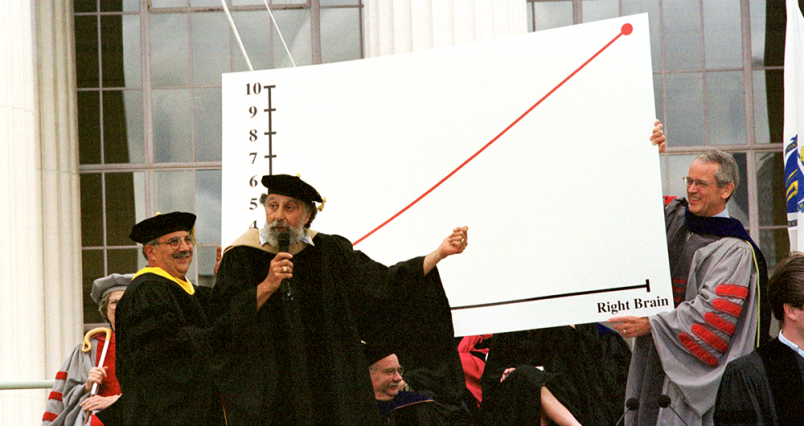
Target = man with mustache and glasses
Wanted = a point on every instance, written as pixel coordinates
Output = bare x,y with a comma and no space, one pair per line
163,337
398,405
296,357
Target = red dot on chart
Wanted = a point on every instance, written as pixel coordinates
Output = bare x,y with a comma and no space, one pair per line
627,29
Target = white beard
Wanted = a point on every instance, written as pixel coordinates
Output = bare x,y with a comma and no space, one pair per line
271,235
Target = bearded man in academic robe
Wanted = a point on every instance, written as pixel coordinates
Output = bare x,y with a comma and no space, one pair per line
297,356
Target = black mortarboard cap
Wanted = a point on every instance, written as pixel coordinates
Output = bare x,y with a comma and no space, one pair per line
376,352
291,186
161,224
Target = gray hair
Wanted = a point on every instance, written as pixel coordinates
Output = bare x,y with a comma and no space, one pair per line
727,171
103,306
155,242
149,243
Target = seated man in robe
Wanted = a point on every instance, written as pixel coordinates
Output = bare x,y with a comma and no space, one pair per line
766,387
400,405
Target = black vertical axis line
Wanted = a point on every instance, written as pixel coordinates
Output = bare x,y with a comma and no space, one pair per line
270,133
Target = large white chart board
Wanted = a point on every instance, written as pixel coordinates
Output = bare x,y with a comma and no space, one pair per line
542,139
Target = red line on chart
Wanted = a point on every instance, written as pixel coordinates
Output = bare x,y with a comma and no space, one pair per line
625,30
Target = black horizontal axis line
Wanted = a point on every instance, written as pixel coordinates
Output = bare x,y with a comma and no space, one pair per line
554,296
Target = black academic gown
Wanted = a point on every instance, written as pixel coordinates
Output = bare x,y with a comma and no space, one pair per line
746,397
411,409
162,358
301,362
585,368
445,385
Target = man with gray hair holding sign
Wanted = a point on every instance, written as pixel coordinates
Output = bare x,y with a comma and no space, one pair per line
717,271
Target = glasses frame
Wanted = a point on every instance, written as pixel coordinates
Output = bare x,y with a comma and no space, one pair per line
699,183
391,372
175,242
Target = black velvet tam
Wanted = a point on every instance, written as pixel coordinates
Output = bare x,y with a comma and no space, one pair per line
291,186
162,224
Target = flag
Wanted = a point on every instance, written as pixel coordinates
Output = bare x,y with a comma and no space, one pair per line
794,122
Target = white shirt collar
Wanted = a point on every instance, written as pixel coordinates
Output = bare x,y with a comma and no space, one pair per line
724,213
791,345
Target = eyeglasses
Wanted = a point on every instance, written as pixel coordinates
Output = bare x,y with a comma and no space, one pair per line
175,242
392,371
699,183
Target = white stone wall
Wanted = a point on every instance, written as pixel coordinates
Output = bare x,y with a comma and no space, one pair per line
400,26
41,311
40,290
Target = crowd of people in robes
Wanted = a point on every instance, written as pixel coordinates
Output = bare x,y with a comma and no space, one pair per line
302,329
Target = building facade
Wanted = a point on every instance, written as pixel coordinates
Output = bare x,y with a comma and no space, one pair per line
112,113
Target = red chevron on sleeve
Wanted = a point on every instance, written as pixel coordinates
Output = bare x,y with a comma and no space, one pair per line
679,288
56,396
49,417
668,199
719,323
727,307
696,350
712,339
732,290
61,375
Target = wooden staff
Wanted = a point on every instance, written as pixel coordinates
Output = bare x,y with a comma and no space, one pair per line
87,346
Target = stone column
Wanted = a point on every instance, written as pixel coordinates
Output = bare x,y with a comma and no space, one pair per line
40,292
60,199
400,26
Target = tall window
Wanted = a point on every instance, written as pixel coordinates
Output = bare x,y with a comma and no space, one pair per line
149,109
717,67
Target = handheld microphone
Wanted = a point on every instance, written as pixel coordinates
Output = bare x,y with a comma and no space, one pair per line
284,246
630,405
664,402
